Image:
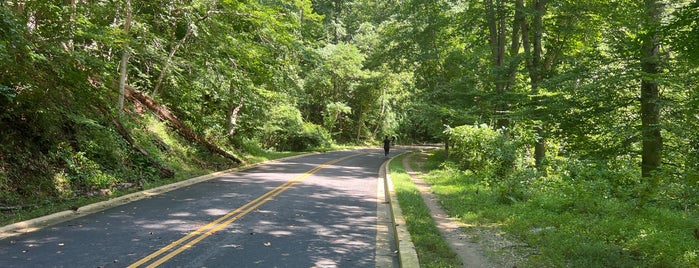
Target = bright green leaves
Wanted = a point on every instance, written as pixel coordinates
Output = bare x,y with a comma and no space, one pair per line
342,60
683,32
333,113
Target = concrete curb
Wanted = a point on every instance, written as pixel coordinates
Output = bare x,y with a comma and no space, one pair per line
406,249
35,224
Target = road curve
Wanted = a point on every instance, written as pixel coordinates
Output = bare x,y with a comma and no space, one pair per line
319,210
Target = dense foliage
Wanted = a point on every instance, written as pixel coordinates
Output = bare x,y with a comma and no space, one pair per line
239,78
597,97
580,217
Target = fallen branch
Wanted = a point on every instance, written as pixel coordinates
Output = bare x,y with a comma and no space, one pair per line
165,172
164,114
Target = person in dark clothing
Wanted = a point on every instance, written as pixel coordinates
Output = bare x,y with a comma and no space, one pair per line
386,145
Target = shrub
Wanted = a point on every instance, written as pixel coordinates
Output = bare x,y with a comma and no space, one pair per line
482,149
311,136
83,173
493,154
284,121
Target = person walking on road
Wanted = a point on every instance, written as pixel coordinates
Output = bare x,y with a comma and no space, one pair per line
386,145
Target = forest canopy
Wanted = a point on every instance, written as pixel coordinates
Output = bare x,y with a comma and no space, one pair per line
96,94
585,108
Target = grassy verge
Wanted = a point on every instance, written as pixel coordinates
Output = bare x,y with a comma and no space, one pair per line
569,225
187,160
432,249
52,206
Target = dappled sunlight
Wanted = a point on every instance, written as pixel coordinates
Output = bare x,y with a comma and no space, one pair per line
328,219
328,223
177,225
323,262
215,211
281,233
234,195
181,214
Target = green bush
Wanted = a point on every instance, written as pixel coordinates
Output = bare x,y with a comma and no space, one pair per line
312,136
493,154
83,173
284,122
481,149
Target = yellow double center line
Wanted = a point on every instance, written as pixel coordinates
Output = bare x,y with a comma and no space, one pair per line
196,236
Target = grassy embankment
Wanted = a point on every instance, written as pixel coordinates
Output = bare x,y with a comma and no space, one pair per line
567,223
63,178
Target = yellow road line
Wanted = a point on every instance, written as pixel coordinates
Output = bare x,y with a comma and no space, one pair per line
225,220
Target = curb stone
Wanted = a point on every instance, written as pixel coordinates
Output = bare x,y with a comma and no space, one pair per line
407,255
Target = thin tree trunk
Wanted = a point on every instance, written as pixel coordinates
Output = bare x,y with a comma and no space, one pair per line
650,96
360,122
171,55
168,61
124,58
535,66
233,118
495,16
446,146
383,108
70,45
518,29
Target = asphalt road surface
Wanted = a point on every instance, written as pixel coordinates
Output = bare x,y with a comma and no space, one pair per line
320,210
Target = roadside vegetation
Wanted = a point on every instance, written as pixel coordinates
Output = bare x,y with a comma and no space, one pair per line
581,213
572,124
109,169
432,249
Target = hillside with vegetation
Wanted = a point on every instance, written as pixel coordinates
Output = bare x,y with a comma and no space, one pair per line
552,109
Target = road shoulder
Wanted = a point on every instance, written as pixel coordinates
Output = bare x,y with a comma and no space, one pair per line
491,248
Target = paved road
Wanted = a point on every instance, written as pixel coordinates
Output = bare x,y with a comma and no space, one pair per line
314,211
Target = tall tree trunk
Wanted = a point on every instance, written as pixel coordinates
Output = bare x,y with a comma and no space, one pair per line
360,122
171,55
650,97
69,46
124,57
495,16
533,45
383,109
446,146
336,19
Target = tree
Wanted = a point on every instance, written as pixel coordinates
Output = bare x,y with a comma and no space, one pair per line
124,56
650,96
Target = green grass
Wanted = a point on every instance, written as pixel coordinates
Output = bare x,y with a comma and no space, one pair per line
569,225
432,249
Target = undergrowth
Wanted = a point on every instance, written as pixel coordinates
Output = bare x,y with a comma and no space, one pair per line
572,221
90,162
